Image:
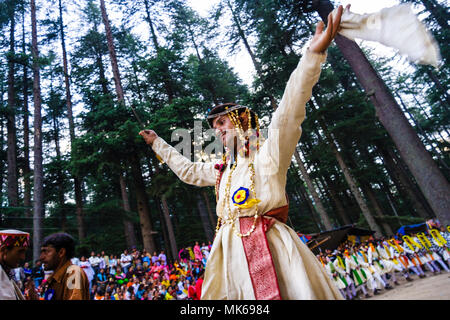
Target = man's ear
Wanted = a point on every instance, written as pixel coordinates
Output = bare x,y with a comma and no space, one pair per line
243,117
62,252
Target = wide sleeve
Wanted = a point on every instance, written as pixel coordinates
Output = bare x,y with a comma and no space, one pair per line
285,128
196,173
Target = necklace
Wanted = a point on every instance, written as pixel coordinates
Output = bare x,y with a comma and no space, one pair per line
246,203
231,217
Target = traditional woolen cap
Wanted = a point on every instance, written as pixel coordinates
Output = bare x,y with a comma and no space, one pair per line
222,109
14,238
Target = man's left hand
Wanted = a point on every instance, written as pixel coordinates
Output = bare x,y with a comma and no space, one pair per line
322,39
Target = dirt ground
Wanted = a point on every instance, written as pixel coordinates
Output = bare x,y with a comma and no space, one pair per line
433,287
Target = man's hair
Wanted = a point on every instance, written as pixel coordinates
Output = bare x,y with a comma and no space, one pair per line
219,109
59,241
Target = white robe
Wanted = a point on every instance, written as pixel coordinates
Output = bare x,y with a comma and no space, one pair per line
300,275
8,289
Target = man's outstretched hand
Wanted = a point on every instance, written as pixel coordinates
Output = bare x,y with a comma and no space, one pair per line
149,136
322,39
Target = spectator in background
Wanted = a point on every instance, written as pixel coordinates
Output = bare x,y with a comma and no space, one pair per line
162,258
198,285
140,292
125,261
95,262
191,290
86,266
112,264
102,263
38,273
102,278
146,261
19,276
75,261
27,270
106,259
155,259
205,250
197,252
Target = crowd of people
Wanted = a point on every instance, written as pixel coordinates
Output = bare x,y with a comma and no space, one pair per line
358,269
132,275
368,267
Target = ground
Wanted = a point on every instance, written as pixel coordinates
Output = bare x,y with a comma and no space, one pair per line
433,287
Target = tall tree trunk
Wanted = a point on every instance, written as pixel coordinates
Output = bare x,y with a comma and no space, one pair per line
13,188
428,176
165,236
142,205
442,127
170,230
77,180
2,163
203,212
167,80
38,194
377,207
350,179
312,210
390,198
424,134
312,189
444,96
212,218
256,63
370,195
26,131
2,144
401,182
338,203
141,196
112,54
411,182
128,226
332,187
59,179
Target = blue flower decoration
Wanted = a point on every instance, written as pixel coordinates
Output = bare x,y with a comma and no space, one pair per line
240,196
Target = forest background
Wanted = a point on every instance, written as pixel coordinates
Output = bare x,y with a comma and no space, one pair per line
373,153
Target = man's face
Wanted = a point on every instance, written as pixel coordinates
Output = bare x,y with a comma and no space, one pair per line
49,257
12,257
224,129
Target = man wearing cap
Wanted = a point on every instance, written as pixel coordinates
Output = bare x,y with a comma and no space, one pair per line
255,254
13,246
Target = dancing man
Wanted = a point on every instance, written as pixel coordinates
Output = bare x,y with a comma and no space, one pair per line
255,255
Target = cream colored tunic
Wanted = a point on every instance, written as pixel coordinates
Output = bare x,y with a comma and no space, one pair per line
8,289
300,274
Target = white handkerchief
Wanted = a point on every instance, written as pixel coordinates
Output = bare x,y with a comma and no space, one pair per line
396,27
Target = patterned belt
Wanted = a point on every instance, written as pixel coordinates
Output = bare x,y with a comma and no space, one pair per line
257,252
